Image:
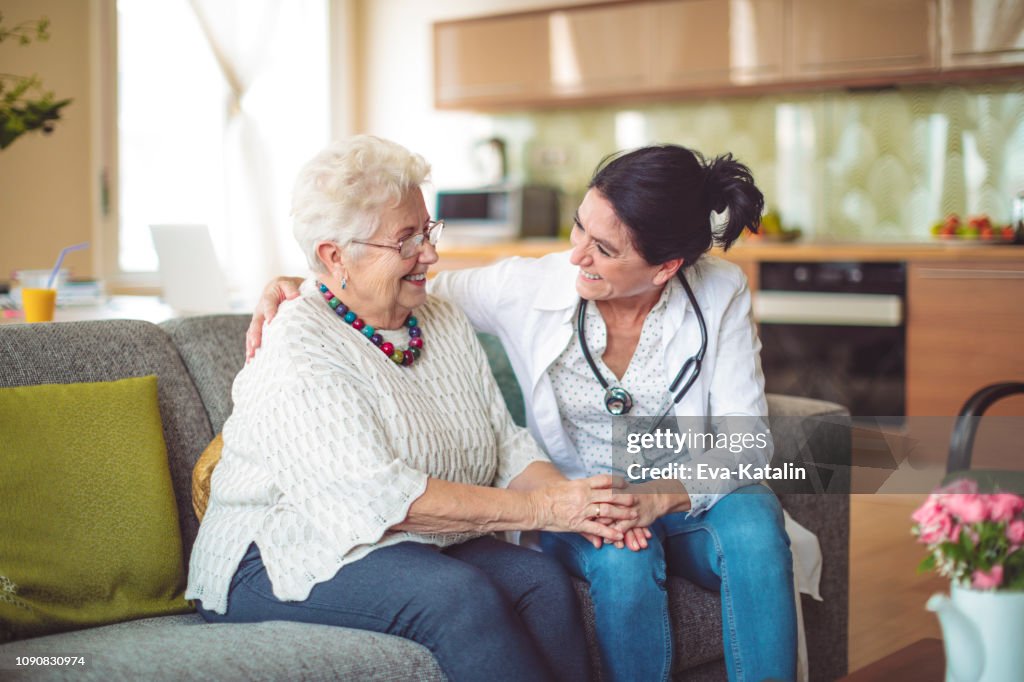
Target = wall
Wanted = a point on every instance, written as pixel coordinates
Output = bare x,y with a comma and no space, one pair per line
853,166
45,181
873,165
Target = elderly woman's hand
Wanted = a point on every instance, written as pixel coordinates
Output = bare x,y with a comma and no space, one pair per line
575,506
277,291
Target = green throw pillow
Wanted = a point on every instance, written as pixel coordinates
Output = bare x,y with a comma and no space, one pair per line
89,532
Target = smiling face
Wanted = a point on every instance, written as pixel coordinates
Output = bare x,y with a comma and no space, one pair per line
610,268
383,288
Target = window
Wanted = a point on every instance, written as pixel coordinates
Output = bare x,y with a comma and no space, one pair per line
220,102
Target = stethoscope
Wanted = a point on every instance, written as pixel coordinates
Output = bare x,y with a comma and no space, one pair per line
617,400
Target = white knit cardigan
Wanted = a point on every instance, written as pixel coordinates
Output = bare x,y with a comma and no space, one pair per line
330,442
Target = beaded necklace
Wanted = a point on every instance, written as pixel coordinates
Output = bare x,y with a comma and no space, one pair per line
398,356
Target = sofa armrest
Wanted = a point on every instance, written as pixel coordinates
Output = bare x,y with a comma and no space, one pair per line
816,434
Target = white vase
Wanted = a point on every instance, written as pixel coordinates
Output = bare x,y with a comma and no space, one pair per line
983,634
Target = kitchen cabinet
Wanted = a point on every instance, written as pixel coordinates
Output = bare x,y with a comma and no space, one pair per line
832,38
492,60
964,331
600,50
718,42
644,49
543,56
982,33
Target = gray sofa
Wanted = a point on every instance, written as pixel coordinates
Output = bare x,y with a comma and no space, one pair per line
196,360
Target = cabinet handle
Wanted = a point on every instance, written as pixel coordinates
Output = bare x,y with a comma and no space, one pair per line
955,273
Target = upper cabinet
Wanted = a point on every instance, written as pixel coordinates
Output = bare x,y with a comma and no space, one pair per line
866,37
585,61
655,48
717,42
982,33
497,59
542,56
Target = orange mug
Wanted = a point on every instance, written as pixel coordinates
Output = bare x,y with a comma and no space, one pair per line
38,304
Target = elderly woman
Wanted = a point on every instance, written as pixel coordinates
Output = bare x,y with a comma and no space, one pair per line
370,456
634,317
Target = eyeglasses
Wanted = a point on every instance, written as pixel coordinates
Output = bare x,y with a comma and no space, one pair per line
407,248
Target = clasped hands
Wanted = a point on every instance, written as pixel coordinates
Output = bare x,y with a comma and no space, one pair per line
602,509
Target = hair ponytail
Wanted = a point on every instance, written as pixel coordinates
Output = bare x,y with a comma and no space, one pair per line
729,186
665,195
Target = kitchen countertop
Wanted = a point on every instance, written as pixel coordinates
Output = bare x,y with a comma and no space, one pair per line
938,250
755,251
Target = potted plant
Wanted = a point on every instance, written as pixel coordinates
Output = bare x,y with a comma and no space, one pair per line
24,104
977,541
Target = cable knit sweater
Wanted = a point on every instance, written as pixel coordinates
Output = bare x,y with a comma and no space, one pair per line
330,442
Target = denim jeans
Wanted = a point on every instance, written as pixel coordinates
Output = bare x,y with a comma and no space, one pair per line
739,547
486,609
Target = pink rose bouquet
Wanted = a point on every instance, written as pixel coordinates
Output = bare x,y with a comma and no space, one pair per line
975,539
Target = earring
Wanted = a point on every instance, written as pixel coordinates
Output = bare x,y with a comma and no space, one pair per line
344,282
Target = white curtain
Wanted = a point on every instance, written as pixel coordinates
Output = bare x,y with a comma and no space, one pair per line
273,56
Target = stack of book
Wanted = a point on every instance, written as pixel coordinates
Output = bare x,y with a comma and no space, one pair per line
81,292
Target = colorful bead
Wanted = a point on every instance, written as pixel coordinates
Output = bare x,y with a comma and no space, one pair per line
397,355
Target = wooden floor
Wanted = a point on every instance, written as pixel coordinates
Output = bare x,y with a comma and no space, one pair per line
887,595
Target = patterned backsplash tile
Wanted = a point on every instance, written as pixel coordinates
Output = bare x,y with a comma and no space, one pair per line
880,165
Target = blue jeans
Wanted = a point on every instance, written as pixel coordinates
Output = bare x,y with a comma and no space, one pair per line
739,548
486,609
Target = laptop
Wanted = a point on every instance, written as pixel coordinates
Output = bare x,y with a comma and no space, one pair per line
190,275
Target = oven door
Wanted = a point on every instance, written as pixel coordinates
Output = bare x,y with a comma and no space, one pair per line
846,348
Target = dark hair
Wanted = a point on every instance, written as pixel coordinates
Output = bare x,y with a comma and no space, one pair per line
665,194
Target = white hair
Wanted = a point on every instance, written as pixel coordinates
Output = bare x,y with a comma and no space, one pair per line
341,192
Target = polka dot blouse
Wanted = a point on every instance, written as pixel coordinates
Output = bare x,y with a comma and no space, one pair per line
580,396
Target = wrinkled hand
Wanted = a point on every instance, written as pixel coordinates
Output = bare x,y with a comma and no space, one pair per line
277,291
575,506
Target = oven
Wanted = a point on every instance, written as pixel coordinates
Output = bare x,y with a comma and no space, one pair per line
835,331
